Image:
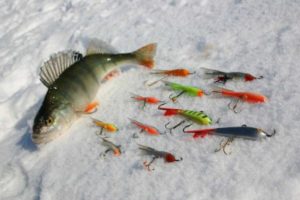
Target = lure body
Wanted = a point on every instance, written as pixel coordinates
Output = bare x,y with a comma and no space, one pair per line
145,127
173,72
231,132
149,100
190,90
198,117
106,126
112,147
168,157
249,97
73,81
223,77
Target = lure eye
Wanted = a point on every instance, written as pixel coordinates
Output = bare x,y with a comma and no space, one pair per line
49,121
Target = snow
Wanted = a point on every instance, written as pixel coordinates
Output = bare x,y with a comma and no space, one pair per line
260,37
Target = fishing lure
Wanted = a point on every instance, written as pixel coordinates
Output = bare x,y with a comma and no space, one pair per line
184,89
145,100
105,126
173,72
168,157
151,130
223,77
116,149
198,117
249,97
244,132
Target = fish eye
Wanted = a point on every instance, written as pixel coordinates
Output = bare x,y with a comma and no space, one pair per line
49,121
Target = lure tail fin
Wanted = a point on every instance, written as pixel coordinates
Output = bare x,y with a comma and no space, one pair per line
211,73
201,133
145,55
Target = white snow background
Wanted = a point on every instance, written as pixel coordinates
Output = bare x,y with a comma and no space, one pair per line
259,37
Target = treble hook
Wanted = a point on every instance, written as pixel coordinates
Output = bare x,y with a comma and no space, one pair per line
147,165
270,135
224,145
174,98
234,106
160,106
174,127
186,127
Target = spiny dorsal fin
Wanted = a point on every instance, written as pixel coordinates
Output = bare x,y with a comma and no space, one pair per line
55,66
97,46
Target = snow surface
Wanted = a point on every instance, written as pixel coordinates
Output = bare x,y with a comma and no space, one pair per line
260,37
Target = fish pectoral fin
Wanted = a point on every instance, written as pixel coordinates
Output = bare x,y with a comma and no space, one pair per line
97,46
111,75
91,107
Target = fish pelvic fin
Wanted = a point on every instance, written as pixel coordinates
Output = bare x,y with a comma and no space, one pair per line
145,55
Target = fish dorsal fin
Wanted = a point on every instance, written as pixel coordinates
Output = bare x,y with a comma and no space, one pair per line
97,46
56,65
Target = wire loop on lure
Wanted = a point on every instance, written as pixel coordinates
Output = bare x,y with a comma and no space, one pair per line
260,77
224,145
173,127
233,105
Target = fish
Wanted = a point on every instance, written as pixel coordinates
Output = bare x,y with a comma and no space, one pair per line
73,81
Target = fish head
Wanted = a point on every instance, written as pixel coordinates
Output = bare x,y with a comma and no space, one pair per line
51,121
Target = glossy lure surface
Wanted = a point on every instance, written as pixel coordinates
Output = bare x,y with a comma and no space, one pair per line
223,77
197,116
190,90
73,81
168,157
109,127
151,130
250,97
146,100
232,132
173,72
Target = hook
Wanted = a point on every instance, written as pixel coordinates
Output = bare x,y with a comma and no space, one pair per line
147,165
270,135
174,98
234,106
174,127
160,106
180,159
223,145
103,154
153,83
186,127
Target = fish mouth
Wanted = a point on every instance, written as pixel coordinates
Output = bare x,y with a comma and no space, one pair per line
38,137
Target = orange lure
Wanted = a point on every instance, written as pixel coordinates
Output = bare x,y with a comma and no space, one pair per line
249,97
173,72
149,100
144,127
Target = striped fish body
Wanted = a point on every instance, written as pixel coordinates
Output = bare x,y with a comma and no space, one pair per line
71,88
80,82
198,117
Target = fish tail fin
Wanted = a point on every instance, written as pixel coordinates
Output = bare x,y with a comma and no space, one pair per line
145,55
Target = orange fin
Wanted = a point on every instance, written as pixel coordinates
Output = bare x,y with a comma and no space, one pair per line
145,55
91,107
